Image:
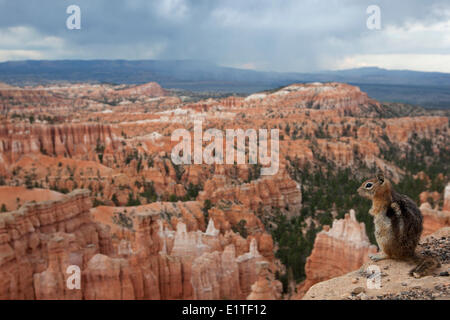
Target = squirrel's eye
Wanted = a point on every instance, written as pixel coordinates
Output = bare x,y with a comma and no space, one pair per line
369,185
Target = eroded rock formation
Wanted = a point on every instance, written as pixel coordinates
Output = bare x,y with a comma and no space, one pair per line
40,241
447,198
56,140
265,287
337,250
166,231
433,219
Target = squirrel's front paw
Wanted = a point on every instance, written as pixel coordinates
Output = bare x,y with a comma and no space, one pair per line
396,208
377,257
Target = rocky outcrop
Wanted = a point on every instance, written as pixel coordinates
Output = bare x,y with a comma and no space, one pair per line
433,219
133,274
265,288
108,279
216,275
327,96
400,130
55,140
39,240
43,99
278,191
337,250
224,276
346,152
428,196
447,198
390,279
14,197
52,283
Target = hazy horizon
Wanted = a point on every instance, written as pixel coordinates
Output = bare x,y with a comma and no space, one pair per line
225,66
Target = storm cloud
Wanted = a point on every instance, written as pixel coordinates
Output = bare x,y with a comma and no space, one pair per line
276,35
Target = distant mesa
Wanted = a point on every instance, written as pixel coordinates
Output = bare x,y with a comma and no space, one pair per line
151,89
428,89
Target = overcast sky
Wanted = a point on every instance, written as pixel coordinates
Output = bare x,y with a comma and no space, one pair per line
277,35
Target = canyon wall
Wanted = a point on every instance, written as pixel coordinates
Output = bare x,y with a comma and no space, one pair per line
277,191
40,241
56,140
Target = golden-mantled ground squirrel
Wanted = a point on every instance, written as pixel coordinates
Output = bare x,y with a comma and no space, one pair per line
398,224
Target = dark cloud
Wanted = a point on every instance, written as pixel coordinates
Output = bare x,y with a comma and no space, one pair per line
288,35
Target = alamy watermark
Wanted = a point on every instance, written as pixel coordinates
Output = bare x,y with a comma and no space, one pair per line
74,20
73,282
214,152
374,20
374,278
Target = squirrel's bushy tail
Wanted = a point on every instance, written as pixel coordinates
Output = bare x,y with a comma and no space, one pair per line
425,265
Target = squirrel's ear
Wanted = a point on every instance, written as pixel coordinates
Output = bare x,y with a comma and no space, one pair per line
380,177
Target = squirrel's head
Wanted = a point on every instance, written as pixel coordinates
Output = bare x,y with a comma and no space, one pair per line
377,187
